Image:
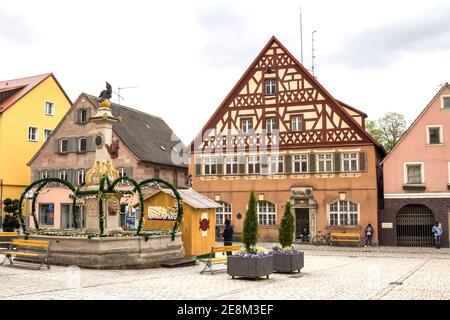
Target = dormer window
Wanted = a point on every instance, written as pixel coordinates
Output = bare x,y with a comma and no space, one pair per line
434,135
271,88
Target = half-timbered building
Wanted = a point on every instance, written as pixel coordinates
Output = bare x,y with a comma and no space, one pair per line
280,133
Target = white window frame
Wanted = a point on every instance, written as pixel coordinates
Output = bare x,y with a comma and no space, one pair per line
53,109
443,97
83,172
248,125
60,145
223,213
448,173
79,144
36,134
271,124
405,172
122,172
297,123
45,131
349,160
339,213
270,87
276,160
210,162
262,209
233,162
44,174
441,135
325,160
61,173
253,161
300,160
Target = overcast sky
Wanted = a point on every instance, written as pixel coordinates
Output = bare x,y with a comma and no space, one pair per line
185,56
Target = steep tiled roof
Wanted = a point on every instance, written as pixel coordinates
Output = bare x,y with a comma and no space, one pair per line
147,136
12,91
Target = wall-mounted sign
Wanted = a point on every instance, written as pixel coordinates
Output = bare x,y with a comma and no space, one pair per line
162,213
387,225
204,224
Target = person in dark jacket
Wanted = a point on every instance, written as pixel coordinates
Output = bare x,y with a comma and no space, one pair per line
228,235
369,235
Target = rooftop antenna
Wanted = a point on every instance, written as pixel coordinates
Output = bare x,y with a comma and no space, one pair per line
313,57
119,97
301,36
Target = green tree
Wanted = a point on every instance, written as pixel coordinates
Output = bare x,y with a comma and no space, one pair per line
286,230
388,129
11,222
250,231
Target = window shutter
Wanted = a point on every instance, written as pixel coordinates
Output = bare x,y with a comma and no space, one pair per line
288,163
219,168
76,116
56,146
53,173
337,162
72,145
88,114
241,162
362,161
90,144
70,176
312,163
198,166
35,175
129,171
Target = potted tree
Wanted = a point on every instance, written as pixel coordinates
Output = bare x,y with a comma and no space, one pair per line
285,257
252,261
11,221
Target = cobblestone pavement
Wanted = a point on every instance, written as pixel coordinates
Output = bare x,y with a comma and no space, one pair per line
329,273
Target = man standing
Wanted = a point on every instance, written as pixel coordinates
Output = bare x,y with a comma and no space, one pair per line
437,231
228,235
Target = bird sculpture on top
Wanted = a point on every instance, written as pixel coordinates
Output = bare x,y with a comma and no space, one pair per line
105,95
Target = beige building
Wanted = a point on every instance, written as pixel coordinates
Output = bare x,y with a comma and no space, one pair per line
147,149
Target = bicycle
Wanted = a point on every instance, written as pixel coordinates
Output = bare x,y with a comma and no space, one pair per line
320,239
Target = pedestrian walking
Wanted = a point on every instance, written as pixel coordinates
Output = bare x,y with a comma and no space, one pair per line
228,235
437,232
369,235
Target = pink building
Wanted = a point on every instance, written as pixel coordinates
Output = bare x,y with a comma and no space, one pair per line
417,179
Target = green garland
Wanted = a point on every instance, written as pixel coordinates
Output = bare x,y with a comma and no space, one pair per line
100,194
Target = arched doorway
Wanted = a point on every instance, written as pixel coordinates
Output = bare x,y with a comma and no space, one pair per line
414,224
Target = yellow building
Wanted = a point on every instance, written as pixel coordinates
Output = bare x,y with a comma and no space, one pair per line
30,109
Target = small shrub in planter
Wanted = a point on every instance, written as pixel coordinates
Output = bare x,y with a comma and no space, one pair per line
285,257
253,261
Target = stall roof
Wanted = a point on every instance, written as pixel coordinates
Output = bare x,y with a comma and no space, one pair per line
192,198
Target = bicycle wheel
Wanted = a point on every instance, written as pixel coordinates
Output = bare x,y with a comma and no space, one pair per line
317,240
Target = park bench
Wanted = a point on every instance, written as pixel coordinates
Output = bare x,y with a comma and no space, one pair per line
6,238
27,249
210,258
351,237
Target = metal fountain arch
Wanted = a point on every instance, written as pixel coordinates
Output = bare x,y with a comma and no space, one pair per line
110,190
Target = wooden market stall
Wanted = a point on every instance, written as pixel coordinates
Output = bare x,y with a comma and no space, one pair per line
199,220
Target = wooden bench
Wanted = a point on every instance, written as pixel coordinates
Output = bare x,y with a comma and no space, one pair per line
210,259
6,238
345,237
21,248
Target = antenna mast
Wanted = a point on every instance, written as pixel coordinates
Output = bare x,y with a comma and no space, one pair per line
313,57
118,93
301,36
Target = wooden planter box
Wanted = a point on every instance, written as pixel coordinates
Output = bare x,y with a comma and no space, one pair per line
249,267
288,262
